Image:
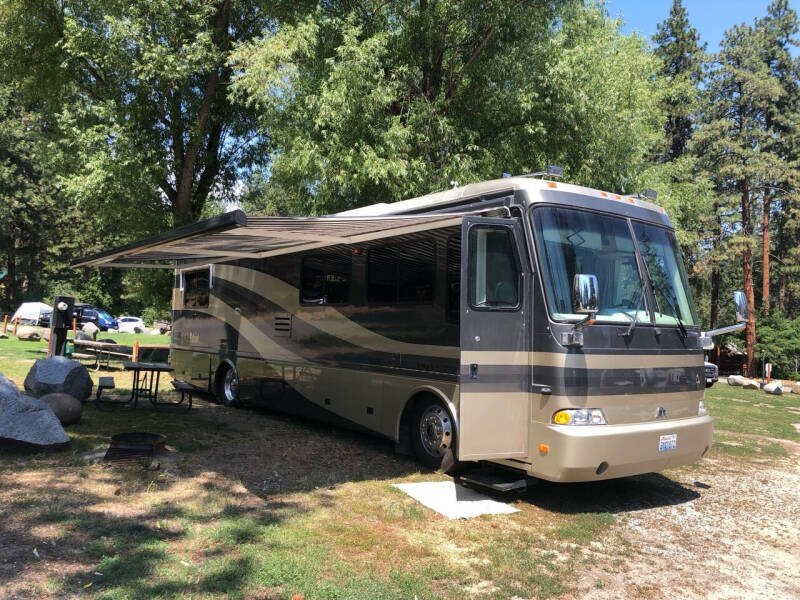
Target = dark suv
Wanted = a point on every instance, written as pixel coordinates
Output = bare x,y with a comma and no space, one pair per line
86,313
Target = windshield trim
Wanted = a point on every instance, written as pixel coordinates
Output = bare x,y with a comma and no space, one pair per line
651,323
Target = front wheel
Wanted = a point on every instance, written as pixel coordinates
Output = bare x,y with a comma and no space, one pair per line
433,436
228,387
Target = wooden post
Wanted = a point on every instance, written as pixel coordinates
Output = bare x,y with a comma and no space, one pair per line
16,324
74,327
135,357
5,323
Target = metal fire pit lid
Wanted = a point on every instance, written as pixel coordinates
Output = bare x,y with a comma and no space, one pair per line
135,445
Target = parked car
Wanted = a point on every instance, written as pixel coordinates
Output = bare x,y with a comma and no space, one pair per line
33,313
86,313
129,324
712,373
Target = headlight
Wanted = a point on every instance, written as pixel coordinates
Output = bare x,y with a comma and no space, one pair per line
701,409
579,416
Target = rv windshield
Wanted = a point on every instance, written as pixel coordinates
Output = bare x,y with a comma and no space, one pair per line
573,241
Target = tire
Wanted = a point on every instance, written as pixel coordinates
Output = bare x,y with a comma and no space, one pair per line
433,436
708,385
228,386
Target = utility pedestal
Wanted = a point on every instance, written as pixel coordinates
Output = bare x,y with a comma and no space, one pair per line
60,323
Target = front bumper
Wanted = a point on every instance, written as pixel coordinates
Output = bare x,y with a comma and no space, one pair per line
589,453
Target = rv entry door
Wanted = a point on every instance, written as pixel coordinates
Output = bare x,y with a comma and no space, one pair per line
494,404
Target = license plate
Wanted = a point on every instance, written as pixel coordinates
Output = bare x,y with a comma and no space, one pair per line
668,442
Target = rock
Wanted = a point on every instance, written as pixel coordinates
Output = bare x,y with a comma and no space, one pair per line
27,419
82,335
58,374
90,328
796,387
67,408
736,380
46,334
751,384
154,332
774,387
29,333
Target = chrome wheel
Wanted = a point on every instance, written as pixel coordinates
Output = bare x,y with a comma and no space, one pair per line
230,386
435,430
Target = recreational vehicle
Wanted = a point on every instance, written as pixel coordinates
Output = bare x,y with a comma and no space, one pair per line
545,327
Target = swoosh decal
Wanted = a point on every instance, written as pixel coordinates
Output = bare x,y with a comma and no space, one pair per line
330,320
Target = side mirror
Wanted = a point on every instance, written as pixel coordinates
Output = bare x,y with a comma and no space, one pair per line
585,294
740,302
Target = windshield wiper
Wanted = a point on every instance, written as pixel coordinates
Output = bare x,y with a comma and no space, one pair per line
684,334
635,320
681,327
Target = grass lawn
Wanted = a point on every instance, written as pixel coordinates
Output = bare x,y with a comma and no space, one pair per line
260,506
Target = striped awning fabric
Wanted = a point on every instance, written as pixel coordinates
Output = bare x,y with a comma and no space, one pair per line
234,235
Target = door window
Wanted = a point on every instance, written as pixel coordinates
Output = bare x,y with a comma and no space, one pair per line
493,269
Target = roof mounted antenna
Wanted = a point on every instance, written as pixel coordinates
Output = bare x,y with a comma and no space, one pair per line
551,171
649,194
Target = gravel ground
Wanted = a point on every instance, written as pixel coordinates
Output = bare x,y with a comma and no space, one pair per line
738,538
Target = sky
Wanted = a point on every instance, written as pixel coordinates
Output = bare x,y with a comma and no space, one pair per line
711,18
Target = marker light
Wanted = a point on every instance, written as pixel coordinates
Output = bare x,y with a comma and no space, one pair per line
579,416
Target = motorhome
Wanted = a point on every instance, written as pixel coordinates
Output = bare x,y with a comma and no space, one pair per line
542,326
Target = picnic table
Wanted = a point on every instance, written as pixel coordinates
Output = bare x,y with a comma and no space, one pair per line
146,376
96,350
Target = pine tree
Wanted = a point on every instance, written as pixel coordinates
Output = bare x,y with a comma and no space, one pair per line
678,47
737,141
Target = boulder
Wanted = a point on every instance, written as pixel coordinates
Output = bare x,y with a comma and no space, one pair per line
29,333
46,334
67,408
26,419
736,380
751,384
82,335
58,374
90,328
774,387
796,387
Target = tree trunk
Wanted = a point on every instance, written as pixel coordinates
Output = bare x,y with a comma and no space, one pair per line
765,253
183,209
716,278
747,271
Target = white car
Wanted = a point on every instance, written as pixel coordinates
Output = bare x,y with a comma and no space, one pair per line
131,325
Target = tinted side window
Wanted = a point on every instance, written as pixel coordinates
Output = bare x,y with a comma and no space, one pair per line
326,279
401,273
493,272
454,278
195,289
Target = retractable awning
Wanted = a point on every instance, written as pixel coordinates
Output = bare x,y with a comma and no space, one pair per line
234,235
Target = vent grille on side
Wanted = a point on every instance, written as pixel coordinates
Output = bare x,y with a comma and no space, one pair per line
283,324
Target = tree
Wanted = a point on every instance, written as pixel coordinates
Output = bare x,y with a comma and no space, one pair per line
678,47
371,102
777,33
736,141
149,78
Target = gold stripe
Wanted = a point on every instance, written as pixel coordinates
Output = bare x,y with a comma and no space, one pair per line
324,318
582,361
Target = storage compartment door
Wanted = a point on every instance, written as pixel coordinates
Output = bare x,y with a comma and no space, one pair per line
494,400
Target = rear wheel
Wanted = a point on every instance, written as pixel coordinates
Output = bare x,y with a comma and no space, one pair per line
228,387
433,435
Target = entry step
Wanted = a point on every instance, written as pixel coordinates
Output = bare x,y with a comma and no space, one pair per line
494,478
